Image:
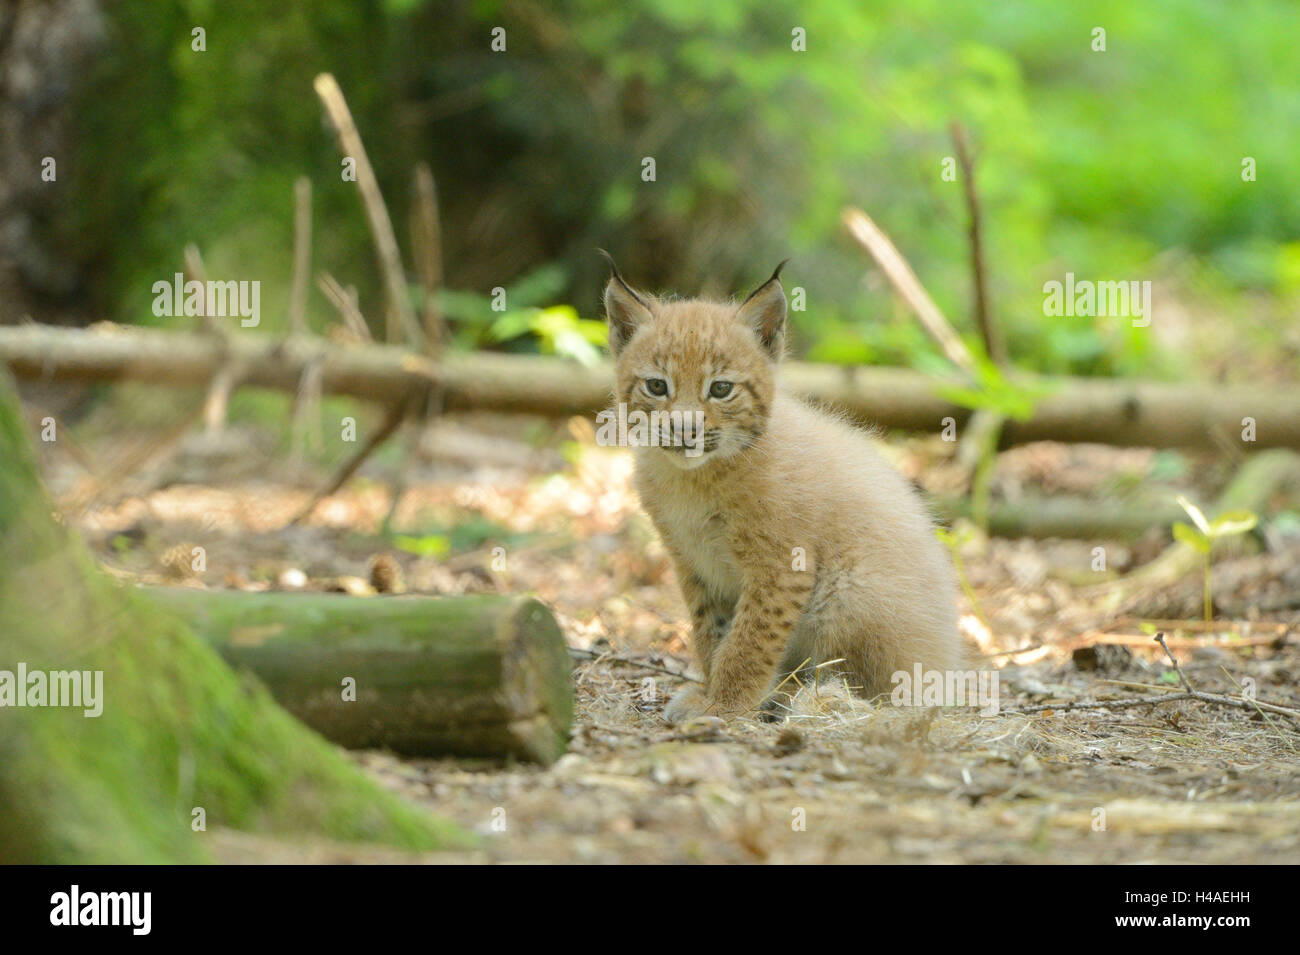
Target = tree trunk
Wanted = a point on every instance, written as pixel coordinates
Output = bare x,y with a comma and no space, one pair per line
468,676
180,743
1108,411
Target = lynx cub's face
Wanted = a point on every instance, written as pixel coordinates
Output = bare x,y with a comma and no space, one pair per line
709,368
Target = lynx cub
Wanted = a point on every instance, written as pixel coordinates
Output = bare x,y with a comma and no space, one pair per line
793,540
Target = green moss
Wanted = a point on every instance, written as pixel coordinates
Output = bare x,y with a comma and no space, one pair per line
178,730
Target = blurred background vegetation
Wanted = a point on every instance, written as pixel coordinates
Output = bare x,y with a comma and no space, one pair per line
1116,165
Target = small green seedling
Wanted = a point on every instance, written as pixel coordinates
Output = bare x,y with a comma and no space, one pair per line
1201,538
954,540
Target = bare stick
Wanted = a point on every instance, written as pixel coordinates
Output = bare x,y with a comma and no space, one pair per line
1160,639
194,270
400,315
306,424
1101,704
1189,693
989,331
217,402
872,238
628,661
1154,700
426,241
301,256
153,449
345,300
396,415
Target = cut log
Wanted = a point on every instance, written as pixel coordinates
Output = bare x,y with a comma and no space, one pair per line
466,676
1102,410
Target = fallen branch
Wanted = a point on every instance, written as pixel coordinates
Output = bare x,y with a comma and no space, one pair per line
1188,693
1103,410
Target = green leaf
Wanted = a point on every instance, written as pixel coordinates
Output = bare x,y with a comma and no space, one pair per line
432,545
1233,522
1191,537
512,324
1195,513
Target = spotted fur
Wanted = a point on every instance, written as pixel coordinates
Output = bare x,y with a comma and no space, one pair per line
778,479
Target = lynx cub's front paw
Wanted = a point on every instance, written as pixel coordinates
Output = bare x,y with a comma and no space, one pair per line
687,703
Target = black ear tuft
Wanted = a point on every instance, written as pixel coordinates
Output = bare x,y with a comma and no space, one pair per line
765,312
613,267
625,309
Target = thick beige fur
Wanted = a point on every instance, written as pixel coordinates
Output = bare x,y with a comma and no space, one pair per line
793,540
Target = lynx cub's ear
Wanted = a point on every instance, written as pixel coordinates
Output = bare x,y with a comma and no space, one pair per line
764,311
624,308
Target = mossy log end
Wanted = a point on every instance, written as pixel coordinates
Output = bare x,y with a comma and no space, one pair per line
177,730
433,676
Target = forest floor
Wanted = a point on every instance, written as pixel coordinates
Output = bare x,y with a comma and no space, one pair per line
842,779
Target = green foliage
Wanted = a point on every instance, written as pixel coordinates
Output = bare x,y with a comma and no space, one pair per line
1202,536
1091,162
995,391
178,729
961,534
438,540
556,330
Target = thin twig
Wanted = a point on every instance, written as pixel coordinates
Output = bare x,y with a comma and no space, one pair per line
1011,653
1241,704
195,271
1100,704
1189,693
305,433
345,301
989,332
426,243
217,401
872,238
396,415
401,316
627,661
1160,639
1262,714
301,256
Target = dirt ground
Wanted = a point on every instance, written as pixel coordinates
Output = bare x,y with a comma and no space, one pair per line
841,779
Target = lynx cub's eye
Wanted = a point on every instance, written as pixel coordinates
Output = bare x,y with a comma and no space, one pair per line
720,389
656,386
